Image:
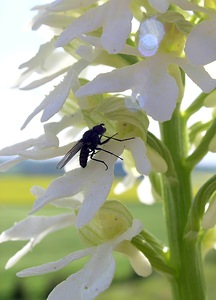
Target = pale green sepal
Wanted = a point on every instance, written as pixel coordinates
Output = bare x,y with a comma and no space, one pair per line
110,221
203,196
203,147
156,256
209,218
178,19
212,144
137,259
157,162
165,162
210,99
117,116
209,240
179,76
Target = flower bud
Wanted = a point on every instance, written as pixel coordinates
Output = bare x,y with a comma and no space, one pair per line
111,220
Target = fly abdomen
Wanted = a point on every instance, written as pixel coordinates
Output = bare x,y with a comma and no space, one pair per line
84,153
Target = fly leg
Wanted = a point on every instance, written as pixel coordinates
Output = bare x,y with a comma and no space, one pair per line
98,160
101,149
112,138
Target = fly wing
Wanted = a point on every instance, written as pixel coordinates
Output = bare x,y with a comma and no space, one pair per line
69,155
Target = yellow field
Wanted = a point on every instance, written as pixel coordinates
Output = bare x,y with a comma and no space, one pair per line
16,189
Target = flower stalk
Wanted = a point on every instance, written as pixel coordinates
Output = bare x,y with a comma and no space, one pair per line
185,254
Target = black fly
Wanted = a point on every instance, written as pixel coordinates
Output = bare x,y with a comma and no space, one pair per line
88,146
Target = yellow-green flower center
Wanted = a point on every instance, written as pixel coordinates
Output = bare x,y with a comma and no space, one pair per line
110,221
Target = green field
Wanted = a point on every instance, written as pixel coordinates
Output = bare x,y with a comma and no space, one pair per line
16,202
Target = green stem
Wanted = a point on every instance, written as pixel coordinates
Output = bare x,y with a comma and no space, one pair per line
185,255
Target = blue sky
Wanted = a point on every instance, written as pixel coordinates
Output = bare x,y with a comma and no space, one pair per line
18,44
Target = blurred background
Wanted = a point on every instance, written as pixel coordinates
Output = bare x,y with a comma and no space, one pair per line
18,44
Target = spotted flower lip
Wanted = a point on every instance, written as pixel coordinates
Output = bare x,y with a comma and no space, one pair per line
98,272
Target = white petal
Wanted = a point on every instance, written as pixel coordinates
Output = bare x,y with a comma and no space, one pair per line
38,60
54,101
45,146
115,81
138,260
19,254
125,184
37,191
199,75
94,278
52,20
56,265
138,149
44,80
94,181
117,25
94,197
90,21
155,89
34,229
63,5
16,148
144,192
72,203
161,6
97,189
64,186
33,226
202,42
43,52
135,229
58,96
